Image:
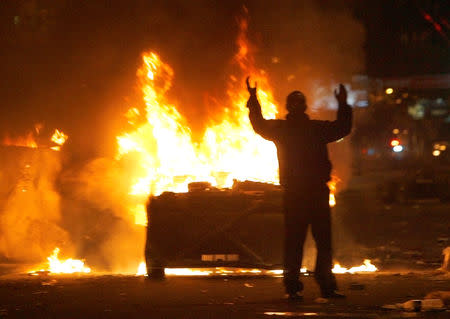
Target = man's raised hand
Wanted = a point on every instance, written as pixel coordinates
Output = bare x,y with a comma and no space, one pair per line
251,90
341,96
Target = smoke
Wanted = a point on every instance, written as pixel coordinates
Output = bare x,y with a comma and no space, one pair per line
30,226
98,216
309,45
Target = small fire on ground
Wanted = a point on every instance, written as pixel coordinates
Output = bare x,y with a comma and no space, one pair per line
58,266
366,267
55,265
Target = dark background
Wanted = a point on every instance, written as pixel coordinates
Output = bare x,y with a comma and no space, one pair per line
72,64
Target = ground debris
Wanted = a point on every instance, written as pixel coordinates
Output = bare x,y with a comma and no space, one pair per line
321,300
356,286
443,295
49,283
416,305
446,261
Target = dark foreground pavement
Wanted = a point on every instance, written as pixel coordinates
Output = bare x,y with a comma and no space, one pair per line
116,296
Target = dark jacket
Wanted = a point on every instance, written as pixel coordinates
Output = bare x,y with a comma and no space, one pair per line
301,143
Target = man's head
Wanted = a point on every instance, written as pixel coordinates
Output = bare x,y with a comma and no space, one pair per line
296,102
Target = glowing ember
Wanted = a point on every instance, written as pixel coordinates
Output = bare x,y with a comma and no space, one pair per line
68,266
332,186
366,267
59,137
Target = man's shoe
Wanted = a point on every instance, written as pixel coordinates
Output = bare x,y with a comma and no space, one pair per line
295,296
333,295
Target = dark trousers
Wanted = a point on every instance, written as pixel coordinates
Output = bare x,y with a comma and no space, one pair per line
305,206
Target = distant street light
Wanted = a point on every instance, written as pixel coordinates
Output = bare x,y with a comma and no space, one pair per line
389,91
397,148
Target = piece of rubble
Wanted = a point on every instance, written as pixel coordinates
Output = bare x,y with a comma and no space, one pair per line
443,295
421,305
390,307
446,261
357,286
321,300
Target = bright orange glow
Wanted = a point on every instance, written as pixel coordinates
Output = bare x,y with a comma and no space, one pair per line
167,158
29,140
215,271
367,266
25,141
142,269
395,142
332,186
140,214
68,266
228,271
59,137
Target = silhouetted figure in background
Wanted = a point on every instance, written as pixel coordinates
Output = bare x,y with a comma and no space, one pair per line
304,169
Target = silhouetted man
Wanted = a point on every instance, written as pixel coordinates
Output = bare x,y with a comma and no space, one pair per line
304,169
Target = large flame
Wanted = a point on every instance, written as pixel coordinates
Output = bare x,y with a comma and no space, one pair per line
168,159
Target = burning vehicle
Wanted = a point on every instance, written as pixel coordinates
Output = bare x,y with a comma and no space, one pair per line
215,227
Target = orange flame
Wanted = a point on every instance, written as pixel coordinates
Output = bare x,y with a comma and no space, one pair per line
25,141
59,137
57,266
29,140
169,160
367,266
332,186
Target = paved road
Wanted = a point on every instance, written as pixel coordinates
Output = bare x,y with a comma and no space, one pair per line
116,296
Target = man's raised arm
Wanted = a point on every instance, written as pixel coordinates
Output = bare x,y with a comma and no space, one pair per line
343,125
260,125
